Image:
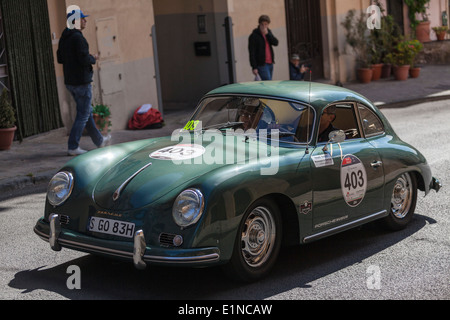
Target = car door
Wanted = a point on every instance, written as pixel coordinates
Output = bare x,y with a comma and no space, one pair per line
347,177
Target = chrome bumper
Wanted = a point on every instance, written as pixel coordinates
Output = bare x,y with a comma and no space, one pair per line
436,184
54,234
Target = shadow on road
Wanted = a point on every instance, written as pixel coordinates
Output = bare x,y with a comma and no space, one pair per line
297,267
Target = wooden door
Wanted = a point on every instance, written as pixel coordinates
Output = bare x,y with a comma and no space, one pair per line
305,33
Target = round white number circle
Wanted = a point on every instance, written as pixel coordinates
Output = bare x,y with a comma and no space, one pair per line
179,152
353,180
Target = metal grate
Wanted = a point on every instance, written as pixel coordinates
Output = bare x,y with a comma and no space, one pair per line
166,239
63,219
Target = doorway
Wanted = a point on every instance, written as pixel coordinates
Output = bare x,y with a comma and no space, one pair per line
304,33
190,46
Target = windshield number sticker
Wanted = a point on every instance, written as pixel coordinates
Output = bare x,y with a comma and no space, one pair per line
191,125
353,180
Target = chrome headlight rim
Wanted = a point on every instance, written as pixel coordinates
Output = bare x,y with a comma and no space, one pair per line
64,179
191,214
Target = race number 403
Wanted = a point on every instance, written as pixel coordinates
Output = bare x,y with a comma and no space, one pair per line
353,180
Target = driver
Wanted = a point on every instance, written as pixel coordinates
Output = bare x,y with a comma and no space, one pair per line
248,115
326,123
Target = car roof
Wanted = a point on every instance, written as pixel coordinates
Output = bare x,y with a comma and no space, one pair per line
321,94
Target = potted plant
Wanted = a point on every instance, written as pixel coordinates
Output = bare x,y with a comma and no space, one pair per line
102,114
357,36
420,27
403,57
440,32
7,121
390,36
416,46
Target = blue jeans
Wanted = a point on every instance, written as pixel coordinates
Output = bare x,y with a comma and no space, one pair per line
84,119
266,71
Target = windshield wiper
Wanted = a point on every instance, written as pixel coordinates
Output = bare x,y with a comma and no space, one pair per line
280,134
224,125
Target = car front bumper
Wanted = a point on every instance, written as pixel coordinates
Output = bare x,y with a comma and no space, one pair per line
137,250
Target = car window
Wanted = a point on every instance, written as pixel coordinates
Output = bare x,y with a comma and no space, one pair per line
293,121
345,119
371,124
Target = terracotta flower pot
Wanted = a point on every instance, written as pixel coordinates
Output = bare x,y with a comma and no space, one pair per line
6,138
401,72
386,70
414,72
440,36
102,122
376,71
365,75
423,31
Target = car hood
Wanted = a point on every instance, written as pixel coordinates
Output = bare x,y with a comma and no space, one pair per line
153,171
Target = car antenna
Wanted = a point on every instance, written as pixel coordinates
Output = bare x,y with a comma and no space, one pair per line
307,128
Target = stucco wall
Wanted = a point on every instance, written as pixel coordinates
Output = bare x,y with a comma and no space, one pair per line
245,16
124,80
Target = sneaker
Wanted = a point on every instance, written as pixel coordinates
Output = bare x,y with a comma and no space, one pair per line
76,152
106,141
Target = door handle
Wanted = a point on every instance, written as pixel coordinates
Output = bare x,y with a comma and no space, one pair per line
376,164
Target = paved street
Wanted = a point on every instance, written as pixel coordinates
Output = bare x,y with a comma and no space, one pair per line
410,264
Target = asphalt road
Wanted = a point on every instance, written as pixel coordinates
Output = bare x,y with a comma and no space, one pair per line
365,263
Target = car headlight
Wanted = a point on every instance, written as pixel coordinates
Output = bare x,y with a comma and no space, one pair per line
188,207
60,188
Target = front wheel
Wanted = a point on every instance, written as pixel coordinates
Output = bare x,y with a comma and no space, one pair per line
403,202
257,243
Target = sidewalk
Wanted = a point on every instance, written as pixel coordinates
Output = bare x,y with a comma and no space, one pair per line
38,158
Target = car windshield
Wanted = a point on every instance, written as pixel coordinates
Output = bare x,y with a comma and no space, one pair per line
292,121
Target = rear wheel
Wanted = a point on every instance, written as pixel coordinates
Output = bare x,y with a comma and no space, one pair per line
403,202
257,243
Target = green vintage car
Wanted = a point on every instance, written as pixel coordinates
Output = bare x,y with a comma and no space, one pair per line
257,166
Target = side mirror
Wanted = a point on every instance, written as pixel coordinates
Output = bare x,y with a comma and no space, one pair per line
336,136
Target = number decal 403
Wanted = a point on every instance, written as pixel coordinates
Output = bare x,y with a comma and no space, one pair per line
353,180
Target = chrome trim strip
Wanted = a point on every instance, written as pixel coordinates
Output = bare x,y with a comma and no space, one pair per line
195,259
119,190
344,226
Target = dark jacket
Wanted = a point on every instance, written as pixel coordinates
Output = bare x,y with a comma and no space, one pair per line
294,72
73,54
257,47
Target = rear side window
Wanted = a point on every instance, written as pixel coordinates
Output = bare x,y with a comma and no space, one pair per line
371,124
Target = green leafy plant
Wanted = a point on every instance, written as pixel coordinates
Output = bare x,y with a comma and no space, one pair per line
7,117
384,40
357,37
417,7
440,29
103,113
405,53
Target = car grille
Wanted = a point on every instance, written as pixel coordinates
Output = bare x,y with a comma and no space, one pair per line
64,219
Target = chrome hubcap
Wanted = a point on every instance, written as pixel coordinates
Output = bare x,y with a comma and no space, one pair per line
402,196
258,237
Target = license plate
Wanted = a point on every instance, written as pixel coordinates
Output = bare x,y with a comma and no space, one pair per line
113,227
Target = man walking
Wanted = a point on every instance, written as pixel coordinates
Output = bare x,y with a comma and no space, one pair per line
73,54
260,49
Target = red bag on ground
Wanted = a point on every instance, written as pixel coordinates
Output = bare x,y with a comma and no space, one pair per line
150,118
